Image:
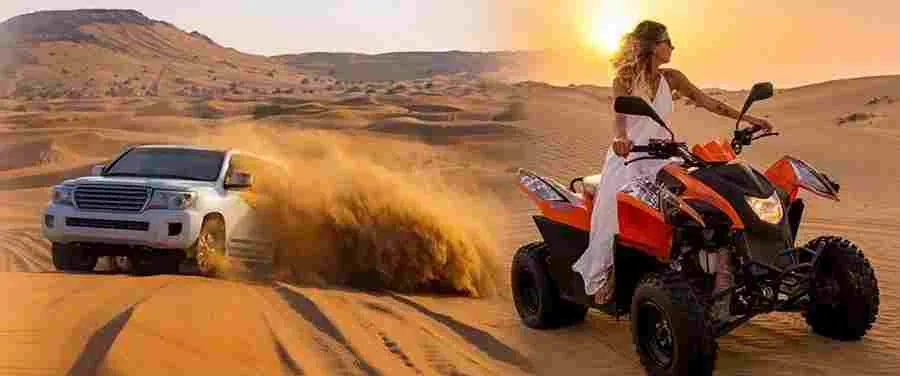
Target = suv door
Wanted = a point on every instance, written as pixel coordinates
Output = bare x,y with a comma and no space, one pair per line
248,241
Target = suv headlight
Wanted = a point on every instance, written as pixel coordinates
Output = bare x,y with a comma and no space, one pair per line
767,209
172,200
62,195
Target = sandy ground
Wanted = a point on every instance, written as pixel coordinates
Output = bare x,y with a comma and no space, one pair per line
55,323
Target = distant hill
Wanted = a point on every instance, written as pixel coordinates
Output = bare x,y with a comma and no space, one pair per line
552,66
116,52
107,52
405,65
56,26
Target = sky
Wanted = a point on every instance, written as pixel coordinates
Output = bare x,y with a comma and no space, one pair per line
719,43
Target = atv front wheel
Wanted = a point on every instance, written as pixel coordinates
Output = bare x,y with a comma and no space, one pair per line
670,330
844,295
536,296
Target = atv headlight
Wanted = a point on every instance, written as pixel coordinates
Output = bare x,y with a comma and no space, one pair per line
172,200
62,195
540,188
767,209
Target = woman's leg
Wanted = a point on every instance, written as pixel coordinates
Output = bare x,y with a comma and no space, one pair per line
596,264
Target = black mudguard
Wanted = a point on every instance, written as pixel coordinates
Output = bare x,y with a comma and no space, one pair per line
567,244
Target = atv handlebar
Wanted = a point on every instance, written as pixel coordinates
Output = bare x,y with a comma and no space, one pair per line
744,137
664,148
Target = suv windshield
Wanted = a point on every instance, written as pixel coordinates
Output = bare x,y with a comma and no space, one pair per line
171,163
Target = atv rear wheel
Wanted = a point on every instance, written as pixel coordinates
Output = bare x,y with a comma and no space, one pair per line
670,329
536,297
844,294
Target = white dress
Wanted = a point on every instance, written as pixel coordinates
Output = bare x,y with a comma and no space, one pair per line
598,258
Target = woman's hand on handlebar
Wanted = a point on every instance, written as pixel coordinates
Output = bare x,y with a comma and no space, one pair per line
761,125
622,146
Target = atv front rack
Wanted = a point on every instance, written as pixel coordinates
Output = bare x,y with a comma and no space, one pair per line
762,292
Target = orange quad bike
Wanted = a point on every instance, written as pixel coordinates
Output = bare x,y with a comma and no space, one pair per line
701,249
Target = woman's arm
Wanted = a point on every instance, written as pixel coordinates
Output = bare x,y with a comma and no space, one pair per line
680,83
619,125
621,143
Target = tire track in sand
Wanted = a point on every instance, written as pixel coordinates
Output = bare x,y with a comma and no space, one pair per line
102,339
99,344
400,336
484,341
300,344
25,250
362,321
288,362
308,309
69,337
404,335
196,325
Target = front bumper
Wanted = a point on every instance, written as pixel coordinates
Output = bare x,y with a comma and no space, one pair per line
157,229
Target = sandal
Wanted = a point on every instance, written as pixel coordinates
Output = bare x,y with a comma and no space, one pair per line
607,291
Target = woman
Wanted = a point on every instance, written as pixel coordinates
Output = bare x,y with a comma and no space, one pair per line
638,73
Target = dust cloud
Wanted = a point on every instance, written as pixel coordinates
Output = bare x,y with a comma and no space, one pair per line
367,213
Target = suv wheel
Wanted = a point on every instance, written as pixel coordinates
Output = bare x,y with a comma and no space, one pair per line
71,258
156,263
210,247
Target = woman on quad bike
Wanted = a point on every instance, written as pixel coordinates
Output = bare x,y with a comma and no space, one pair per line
637,73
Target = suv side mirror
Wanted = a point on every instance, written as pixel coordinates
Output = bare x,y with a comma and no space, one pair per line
239,180
97,170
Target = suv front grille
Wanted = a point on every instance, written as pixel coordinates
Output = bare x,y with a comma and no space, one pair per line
114,198
106,223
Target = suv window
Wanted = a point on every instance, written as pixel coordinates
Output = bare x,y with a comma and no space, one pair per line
168,163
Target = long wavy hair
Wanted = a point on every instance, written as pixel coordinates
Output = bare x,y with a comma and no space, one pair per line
632,62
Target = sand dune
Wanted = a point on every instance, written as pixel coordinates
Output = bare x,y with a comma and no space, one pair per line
30,154
182,324
160,108
440,132
417,173
60,149
364,100
432,108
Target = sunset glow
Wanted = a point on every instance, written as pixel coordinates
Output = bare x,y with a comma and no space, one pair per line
726,44
611,20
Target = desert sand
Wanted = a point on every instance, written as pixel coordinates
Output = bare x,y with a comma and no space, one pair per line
118,324
444,153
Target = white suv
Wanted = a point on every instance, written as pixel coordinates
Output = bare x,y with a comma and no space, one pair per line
160,205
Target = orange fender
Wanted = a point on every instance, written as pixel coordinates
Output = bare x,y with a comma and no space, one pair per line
714,151
643,227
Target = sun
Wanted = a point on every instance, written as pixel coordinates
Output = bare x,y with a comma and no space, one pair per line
606,36
609,23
